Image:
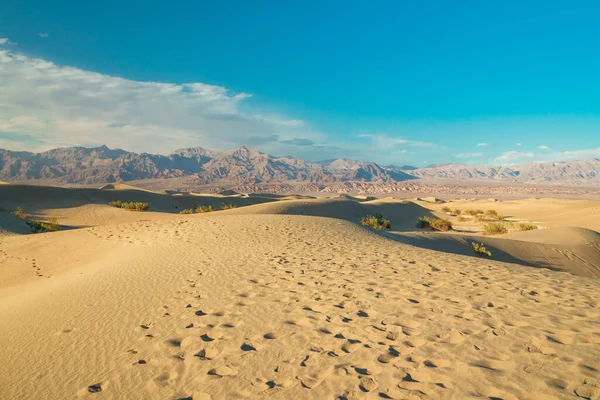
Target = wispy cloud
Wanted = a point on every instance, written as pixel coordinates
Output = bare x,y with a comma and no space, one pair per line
518,144
63,106
468,155
511,156
43,35
482,144
543,147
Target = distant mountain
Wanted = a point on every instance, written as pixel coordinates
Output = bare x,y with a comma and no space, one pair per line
243,165
579,171
246,166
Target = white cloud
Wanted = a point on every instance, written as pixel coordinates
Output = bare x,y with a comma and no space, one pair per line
43,35
468,155
482,144
385,141
543,147
518,144
3,40
576,154
512,156
52,105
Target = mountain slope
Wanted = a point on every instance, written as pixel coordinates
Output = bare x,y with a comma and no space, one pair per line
247,166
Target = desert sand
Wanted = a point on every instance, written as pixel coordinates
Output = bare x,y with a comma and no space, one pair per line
290,298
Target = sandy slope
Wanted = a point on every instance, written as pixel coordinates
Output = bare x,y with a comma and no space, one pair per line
272,301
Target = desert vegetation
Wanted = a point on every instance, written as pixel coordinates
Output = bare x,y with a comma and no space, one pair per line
20,213
39,226
228,206
480,249
187,211
494,228
376,221
204,209
446,209
436,224
131,206
526,226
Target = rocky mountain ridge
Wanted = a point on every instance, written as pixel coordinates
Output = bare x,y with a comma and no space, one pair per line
246,166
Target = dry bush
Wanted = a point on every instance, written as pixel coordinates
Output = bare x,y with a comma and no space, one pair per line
38,226
461,218
526,226
187,211
446,209
494,228
456,212
204,209
376,221
471,212
227,206
436,224
480,249
491,214
131,206
20,213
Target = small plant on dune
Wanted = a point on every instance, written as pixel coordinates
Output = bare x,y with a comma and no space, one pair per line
456,212
436,224
131,206
51,226
494,228
204,209
227,206
20,213
461,218
491,214
446,209
480,212
471,212
39,226
480,249
526,226
34,226
376,221
187,211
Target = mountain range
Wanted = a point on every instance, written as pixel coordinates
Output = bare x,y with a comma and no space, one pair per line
246,166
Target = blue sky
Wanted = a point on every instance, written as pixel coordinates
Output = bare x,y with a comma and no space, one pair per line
393,82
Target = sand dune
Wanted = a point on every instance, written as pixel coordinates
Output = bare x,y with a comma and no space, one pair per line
273,300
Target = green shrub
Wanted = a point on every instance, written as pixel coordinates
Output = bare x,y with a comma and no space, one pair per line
436,224
494,228
131,206
456,212
480,249
34,226
526,226
187,211
446,209
376,221
51,226
20,213
227,206
491,214
39,226
204,209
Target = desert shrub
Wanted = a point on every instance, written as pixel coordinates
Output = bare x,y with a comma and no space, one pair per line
526,226
51,226
461,218
456,212
39,226
131,206
446,209
34,226
494,228
479,212
480,249
471,212
227,206
204,209
20,213
491,214
187,211
436,224
480,218
376,221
